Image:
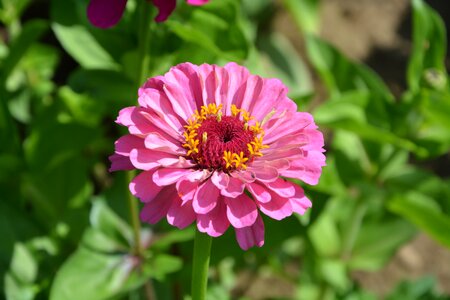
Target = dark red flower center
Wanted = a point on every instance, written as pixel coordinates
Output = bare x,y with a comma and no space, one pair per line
216,137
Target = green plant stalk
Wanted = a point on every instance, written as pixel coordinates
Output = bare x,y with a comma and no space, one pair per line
201,256
145,23
353,230
144,60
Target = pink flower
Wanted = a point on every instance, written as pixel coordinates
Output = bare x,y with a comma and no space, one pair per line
106,13
214,145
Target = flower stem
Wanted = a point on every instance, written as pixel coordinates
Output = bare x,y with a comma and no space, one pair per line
202,253
144,42
144,60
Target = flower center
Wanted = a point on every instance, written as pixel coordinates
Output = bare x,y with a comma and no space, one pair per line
220,142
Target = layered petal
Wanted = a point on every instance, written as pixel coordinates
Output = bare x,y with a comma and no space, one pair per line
214,223
251,236
241,211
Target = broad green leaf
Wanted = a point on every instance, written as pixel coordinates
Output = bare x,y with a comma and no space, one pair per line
23,265
427,63
377,242
425,213
83,47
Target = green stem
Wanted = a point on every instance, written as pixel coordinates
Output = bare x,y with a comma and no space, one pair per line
202,252
353,229
144,42
144,59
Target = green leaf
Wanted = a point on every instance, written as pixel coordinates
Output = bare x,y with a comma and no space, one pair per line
83,47
105,87
30,33
325,236
103,267
11,10
429,48
94,276
335,273
425,213
305,14
216,28
23,264
279,59
422,288
340,75
107,232
15,290
377,243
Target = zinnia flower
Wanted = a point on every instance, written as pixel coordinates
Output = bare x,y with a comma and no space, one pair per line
106,13
215,145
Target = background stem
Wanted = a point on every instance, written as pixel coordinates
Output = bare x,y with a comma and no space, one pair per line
202,253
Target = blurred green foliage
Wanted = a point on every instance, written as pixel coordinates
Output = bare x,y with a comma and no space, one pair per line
63,217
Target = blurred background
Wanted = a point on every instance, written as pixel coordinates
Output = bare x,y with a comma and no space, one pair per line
373,73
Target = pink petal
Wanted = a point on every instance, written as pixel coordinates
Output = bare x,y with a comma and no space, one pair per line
126,143
278,208
181,214
119,163
259,193
156,141
186,189
264,173
157,102
156,121
248,237
282,187
124,117
241,211
145,159
220,179
205,198
165,9
289,124
307,169
143,187
188,185
155,210
300,203
214,223
105,13
237,76
234,188
271,94
168,176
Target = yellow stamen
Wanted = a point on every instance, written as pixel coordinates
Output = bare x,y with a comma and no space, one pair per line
228,157
240,160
